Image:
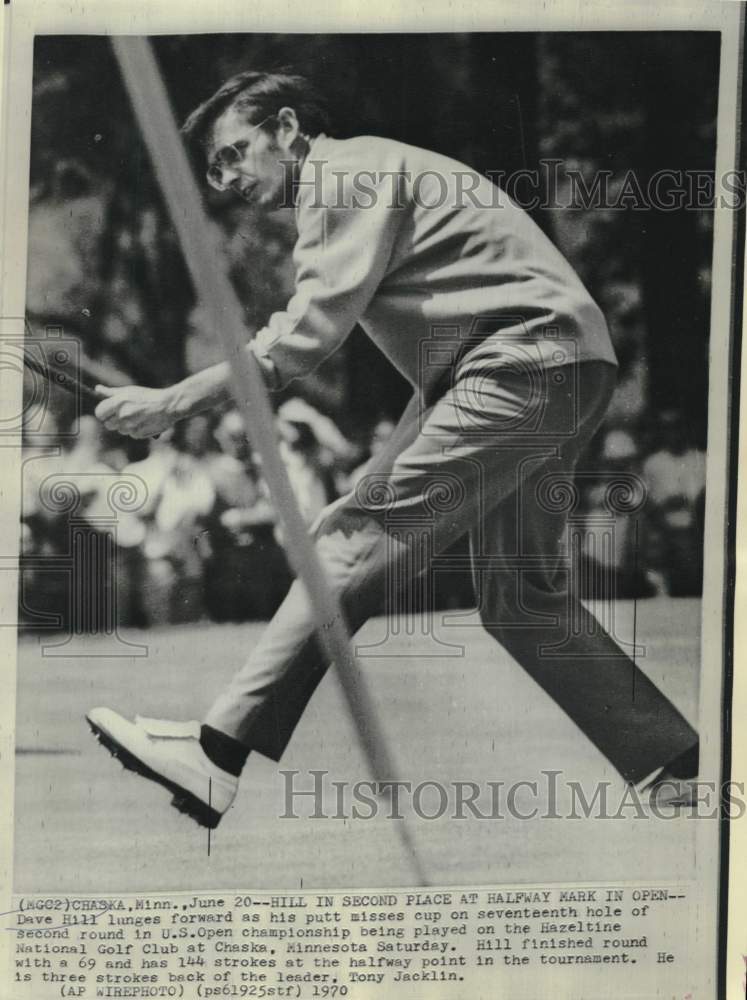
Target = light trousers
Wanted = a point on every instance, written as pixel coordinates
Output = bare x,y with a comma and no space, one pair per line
492,455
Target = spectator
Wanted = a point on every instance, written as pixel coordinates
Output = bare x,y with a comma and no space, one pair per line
39,462
334,452
382,431
153,471
675,474
96,461
246,573
614,564
312,481
155,576
88,463
178,508
41,528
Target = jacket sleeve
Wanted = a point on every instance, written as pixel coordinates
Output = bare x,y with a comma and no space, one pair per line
345,240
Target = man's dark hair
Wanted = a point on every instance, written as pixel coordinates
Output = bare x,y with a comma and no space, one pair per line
260,95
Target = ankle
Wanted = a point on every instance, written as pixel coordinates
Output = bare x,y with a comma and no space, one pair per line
224,751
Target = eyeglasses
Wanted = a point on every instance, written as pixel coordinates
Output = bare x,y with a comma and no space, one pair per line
230,157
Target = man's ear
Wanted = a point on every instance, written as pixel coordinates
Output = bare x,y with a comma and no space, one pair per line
288,127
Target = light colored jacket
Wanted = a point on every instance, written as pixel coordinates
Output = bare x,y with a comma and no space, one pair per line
437,264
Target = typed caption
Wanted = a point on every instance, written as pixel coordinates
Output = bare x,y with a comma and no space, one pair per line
470,942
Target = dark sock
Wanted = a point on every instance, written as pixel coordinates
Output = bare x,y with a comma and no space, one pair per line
686,765
229,754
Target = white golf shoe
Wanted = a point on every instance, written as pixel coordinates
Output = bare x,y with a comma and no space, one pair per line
170,754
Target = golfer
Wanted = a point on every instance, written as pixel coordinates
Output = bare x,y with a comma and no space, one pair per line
512,370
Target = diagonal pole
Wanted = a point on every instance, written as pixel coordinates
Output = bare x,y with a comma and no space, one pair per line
202,252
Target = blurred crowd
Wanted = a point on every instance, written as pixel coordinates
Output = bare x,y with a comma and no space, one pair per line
651,480
199,536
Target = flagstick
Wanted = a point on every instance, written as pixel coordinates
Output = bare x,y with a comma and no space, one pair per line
202,252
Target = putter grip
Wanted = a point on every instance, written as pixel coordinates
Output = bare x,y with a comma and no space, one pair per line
81,385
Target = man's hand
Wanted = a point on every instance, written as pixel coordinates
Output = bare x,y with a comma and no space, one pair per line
135,410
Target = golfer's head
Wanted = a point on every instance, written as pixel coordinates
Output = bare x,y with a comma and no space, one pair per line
254,130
